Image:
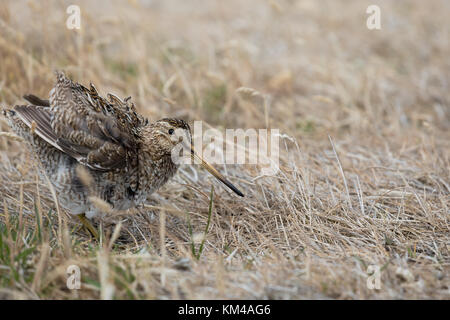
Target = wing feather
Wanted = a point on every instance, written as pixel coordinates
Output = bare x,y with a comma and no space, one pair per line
30,114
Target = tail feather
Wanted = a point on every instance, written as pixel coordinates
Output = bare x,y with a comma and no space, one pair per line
6,112
17,125
36,100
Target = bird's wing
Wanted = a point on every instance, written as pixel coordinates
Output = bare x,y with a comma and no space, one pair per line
37,118
98,133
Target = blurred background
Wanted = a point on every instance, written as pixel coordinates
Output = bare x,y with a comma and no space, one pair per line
377,192
322,67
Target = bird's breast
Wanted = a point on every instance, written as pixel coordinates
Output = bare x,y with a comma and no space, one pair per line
154,174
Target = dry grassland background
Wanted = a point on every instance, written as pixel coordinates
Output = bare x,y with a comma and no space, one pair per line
364,158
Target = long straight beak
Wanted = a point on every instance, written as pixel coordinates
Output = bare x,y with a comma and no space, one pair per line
215,173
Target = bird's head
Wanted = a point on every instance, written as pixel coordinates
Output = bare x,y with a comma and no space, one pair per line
166,137
168,133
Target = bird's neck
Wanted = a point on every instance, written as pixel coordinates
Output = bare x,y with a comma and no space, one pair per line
155,171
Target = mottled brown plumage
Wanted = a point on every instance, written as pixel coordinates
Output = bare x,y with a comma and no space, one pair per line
127,157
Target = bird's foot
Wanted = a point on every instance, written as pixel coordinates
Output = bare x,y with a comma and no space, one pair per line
88,225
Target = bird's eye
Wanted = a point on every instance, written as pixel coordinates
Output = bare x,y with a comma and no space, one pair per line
171,131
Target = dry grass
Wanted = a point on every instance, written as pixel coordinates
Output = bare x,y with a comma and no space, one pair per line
364,160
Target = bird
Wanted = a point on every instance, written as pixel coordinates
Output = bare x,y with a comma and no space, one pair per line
125,156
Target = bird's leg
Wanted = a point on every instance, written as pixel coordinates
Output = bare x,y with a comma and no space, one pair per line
88,225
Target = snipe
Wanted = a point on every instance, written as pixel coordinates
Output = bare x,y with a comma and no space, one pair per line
127,157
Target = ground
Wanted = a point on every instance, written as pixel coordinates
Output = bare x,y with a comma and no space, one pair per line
364,119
